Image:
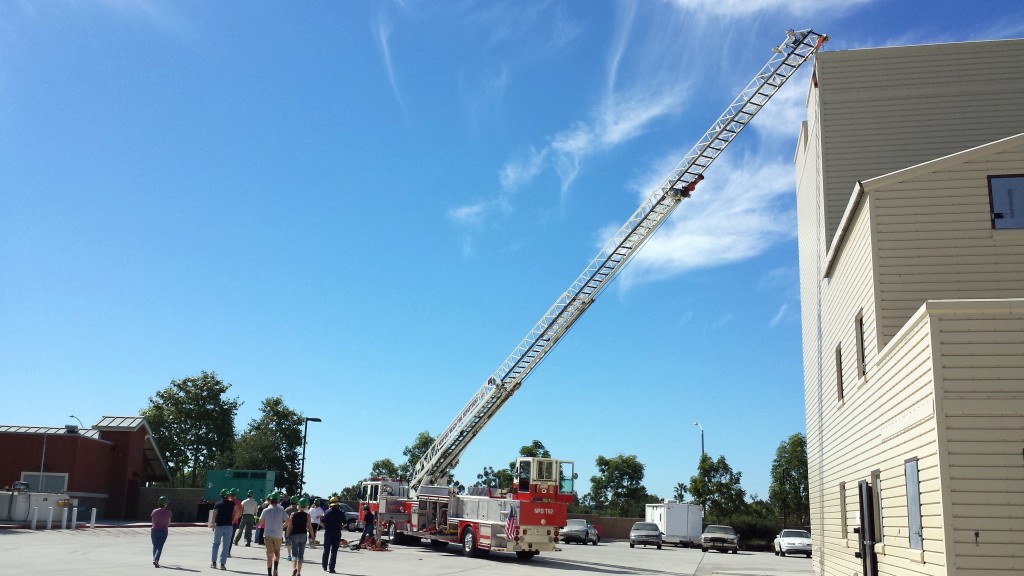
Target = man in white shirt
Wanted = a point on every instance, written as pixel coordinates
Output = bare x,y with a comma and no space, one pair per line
273,518
315,512
249,506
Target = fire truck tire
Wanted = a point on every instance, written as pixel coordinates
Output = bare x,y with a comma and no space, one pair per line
469,548
391,533
526,555
438,544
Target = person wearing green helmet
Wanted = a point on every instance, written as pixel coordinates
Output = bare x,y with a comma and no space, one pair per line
161,517
245,525
224,515
273,519
298,530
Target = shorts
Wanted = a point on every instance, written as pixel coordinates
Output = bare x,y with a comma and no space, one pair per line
273,545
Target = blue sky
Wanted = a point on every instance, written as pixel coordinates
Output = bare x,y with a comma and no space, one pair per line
364,206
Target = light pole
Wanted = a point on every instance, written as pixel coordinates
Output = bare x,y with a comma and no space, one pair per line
697,424
302,469
80,425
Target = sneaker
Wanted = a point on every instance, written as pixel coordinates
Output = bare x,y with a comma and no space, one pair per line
223,567
246,544
156,564
213,564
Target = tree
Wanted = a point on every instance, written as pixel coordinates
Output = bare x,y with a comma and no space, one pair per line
534,449
384,468
717,488
193,422
618,488
680,492
788,491
274,442
414,452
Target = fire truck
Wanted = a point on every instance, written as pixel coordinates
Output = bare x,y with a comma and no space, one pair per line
527,520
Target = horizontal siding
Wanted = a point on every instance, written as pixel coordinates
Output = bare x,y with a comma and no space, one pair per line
885,109
981,400
935,240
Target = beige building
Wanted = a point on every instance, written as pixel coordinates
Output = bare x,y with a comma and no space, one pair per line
910,202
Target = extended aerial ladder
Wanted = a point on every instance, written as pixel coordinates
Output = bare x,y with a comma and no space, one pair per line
443,455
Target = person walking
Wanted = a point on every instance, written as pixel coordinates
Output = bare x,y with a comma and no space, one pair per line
224,515
299,530
368,525
315,513
332,522
273,519
248,519
290,508
161,517
236,519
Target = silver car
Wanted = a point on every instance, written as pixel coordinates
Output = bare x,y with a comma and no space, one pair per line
579,531
645,534
721,538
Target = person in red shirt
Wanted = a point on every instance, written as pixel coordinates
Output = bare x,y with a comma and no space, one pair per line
158,533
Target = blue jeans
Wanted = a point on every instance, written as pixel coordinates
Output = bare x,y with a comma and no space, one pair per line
221,535
159,537
299,546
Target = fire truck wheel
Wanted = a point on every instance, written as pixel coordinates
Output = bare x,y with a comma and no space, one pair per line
469,543
525,555
391,533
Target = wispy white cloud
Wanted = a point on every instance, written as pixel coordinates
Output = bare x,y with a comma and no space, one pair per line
521,170
383,31
748,7
471,214
779,315
737,213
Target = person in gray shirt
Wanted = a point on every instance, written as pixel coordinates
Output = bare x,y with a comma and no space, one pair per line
273,518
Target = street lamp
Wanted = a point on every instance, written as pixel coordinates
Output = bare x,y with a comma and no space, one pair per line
302,469
697,424
80,425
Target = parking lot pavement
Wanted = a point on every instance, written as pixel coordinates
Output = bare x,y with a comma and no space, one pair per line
127,551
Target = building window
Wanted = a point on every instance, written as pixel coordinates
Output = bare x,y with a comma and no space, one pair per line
839,372
862,367
52,482
842,509
913,504
1006,195
876,487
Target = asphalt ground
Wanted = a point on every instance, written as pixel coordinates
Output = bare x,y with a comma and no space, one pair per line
127,551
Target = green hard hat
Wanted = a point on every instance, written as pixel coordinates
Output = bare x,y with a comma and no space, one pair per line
224,493
251,492
274,497
303,502
162,500
233,491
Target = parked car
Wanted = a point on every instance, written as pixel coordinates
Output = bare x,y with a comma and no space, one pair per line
351,518
646,534
721,538
793,542
579,531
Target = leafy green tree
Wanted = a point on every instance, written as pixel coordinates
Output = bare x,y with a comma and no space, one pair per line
193,422
617,489
274,442
350,493
384,468
789,492
534,449
414,452
717,488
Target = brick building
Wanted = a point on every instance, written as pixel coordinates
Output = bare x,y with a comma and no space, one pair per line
104,467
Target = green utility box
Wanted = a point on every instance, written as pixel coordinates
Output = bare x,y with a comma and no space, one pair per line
261,482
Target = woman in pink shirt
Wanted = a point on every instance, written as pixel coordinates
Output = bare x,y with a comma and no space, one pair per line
161,521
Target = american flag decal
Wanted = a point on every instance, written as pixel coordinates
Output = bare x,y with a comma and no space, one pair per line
510,524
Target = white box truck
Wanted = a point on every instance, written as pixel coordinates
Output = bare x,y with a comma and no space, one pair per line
681,524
